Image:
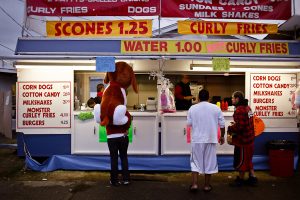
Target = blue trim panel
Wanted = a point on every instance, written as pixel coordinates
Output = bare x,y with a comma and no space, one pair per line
31,46
90,46
44,145
294,48
58,148
150,163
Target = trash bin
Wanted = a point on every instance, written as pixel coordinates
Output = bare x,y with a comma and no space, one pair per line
281,157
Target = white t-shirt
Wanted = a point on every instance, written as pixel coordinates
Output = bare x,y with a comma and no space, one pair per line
204,118
97,112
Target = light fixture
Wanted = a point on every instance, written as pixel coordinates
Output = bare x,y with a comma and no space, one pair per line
269,70
57,64
245,69
57,67
251,64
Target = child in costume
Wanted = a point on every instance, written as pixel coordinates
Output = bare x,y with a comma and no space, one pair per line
116,118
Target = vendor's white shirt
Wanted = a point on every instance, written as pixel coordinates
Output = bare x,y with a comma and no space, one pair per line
204,119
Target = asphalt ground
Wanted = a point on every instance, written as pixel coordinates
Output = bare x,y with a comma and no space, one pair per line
17,182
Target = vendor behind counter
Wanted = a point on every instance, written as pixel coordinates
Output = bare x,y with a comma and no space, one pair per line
183,95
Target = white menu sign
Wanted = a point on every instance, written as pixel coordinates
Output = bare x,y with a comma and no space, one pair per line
271,95
44,104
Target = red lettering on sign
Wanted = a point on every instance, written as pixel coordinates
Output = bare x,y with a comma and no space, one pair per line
163,46
274,78
240,47
145,46
259,78
64,29
277,114
273,48
154,46
57,29
208,27
243,28
29,87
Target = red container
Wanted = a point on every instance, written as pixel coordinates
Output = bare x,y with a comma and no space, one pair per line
281,162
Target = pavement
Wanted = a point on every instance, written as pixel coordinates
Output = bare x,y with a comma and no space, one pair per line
17,182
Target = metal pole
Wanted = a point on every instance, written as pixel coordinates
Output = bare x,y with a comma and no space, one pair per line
159,16
25,19
294,7
159,26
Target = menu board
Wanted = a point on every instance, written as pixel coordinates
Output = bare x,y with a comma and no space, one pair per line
44,104
271,95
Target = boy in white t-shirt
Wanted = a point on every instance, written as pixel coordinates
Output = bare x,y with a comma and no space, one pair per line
204,119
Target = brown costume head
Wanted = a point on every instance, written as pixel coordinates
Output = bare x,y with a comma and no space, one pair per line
113,104
123,75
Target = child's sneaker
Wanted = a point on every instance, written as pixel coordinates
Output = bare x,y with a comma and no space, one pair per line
126,182
116,184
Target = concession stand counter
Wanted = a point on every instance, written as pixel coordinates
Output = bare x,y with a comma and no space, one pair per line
49,126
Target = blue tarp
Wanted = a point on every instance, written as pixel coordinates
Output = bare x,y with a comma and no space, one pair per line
148,163
154,163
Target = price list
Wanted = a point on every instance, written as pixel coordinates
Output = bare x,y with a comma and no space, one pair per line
271,95
44,105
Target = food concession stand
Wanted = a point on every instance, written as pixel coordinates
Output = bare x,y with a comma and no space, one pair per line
52,73
49,127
